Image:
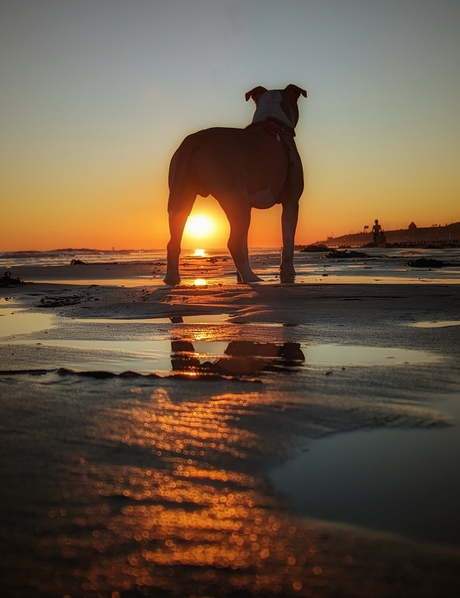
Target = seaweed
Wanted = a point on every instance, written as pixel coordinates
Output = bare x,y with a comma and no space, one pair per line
7,280
335,254
314,248
426,262
77,262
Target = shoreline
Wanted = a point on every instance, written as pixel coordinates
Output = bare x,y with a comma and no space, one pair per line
375,266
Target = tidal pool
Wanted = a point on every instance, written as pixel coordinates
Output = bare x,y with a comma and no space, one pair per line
348,355
439,324
161,356
403,481
14,320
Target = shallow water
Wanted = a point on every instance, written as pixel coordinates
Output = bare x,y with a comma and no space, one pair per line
15,320
396,480
440,324
150,355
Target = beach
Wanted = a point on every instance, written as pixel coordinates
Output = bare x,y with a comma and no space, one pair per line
221,439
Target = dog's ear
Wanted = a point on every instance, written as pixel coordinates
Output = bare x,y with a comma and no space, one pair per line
255,93
297,91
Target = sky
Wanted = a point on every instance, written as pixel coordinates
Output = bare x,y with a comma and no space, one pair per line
96,95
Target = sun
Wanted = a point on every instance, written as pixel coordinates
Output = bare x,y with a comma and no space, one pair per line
200,226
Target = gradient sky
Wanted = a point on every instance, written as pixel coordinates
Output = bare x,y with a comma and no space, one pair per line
96,95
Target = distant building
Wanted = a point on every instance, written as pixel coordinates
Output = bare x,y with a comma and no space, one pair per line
412,226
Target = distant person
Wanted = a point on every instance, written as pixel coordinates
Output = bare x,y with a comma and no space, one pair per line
376,231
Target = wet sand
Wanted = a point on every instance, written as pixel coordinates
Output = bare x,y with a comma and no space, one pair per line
141,427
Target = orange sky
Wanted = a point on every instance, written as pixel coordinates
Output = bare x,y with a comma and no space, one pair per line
96,98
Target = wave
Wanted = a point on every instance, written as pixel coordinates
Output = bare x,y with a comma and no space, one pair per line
63,256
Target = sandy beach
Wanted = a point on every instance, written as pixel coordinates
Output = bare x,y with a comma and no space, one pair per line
150,436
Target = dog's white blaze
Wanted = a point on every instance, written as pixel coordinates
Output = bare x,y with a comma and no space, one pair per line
270,105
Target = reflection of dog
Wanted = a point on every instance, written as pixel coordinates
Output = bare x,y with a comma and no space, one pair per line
242,357
255,167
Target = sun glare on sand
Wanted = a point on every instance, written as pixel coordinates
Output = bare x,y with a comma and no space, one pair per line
200,226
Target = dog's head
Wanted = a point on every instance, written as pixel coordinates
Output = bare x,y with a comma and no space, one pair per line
277,103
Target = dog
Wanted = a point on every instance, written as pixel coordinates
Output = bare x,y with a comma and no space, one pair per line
254,167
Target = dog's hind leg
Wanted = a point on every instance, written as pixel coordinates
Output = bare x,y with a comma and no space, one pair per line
179,209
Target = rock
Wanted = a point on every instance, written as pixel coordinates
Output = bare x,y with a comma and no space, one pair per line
314,248
335,254
60,301
7,280
426,262
76,262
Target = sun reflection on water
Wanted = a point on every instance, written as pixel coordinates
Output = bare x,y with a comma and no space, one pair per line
171,501
199,253
196,514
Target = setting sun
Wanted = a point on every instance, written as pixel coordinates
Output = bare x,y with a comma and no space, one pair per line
199,226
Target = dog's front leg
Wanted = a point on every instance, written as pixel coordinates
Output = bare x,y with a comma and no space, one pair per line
239,219
289,224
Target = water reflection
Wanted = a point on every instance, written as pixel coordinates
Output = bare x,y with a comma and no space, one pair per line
438,324
182,508
199,253
14,320
167,499
240,358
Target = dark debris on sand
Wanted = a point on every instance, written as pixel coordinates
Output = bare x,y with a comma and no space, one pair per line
426,262
314,248
335,254
8,280
60,301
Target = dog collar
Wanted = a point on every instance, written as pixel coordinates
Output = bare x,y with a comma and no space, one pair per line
275,126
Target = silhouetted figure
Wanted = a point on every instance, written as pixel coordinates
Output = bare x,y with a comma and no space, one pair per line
376,231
